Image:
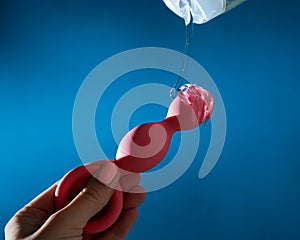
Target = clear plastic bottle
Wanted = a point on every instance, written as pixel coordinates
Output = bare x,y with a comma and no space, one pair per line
200,11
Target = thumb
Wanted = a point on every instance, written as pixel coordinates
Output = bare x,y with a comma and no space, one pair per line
94,196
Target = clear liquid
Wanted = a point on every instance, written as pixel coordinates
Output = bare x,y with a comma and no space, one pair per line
202,11
188,38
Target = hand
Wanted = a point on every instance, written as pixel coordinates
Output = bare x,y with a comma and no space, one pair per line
39,219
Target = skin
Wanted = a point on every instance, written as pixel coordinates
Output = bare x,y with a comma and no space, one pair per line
39,220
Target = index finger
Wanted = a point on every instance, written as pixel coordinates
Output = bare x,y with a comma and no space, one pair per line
45,200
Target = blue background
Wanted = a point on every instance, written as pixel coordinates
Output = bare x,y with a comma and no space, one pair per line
48,47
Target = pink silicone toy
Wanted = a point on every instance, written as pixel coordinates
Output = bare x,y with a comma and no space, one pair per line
141,149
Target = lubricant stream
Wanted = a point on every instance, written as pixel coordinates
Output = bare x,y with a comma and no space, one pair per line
188,37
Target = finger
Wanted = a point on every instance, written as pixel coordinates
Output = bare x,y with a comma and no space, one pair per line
44,201
129,181
28,219
133,200
122,227
95,196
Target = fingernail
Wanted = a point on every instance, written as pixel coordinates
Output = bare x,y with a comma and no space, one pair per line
129,181
107,173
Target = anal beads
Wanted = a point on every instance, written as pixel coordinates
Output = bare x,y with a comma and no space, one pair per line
141,149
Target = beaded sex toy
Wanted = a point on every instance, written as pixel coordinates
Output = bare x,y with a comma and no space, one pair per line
141,149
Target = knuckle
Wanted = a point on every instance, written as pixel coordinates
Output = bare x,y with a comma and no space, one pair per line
94,196
57,217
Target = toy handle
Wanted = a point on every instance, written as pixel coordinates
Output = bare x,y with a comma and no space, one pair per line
72,183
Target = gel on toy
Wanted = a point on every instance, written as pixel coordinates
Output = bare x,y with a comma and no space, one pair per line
141,149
